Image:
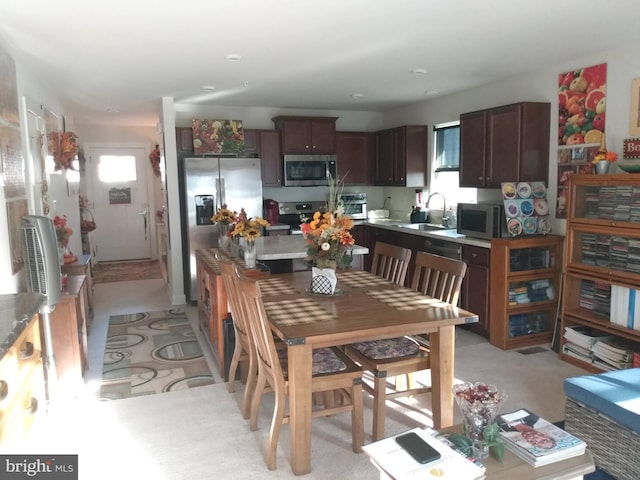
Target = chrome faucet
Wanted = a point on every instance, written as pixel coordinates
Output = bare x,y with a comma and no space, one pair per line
444,206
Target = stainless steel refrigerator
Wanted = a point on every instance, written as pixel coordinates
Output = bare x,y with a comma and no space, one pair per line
206,183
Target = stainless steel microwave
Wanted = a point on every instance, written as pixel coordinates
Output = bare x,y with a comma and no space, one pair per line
482,220
309,170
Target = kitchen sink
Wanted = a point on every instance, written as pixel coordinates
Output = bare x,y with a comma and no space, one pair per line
424,227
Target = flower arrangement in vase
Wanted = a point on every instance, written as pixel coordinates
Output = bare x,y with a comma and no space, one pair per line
479,403
224,218
328,240
249,228
603,159
63,233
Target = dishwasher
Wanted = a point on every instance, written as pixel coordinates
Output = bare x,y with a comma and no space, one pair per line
443,248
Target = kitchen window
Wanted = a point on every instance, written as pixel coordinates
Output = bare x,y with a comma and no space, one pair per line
447,147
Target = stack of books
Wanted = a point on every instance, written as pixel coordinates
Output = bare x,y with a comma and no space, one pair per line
614,353
625,306
392,459
535,440
579,340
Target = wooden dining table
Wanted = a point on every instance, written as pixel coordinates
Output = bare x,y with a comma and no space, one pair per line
365,307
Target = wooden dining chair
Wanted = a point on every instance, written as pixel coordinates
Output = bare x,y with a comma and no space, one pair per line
438,277
332,371
244,349
390,262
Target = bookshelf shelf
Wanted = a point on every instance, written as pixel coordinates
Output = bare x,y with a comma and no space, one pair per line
525,279
602,256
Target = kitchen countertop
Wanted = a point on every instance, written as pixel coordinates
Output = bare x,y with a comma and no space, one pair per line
285,247
16,311
449,235
278,226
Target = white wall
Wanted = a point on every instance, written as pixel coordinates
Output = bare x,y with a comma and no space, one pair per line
31,94
623,65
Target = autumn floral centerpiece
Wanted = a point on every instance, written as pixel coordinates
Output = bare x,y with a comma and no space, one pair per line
249,228
328,240
224,218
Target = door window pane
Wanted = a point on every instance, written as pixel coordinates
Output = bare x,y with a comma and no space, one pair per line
117,168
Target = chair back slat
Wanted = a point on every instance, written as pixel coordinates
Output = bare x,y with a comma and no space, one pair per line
233,296
438,277
390,262
252,307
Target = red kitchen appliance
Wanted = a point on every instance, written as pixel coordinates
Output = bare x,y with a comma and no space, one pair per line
271,211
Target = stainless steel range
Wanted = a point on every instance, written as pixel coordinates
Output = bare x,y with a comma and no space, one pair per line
290,213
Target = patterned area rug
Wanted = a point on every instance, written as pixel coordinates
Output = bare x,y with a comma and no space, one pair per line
123,271
149,353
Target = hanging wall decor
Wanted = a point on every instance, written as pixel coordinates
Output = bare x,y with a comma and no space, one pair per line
581,124
217,137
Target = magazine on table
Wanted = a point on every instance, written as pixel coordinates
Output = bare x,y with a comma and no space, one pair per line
536,440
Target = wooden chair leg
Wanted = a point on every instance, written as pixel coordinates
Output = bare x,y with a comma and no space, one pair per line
249,388
379,405
276,427
261,384
357,419
233,368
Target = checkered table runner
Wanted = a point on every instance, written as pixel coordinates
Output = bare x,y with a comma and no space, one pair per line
208,255
298,311
403,299
275,286
360,278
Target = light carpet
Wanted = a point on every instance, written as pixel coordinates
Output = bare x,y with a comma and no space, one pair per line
152,352
200,433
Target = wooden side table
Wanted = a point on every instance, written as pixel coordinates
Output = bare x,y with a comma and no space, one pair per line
69,335
82,266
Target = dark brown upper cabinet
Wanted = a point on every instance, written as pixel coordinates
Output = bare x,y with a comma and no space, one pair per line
401,156
302,135
505,144
354,151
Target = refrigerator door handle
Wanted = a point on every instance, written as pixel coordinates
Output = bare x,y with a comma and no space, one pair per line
221,191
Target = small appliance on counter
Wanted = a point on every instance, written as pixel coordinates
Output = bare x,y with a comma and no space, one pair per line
355,205
418,215
271,211
482,220
290,213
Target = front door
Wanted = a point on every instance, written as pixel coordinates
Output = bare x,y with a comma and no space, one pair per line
120,202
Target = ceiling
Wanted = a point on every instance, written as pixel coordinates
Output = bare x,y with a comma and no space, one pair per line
111,61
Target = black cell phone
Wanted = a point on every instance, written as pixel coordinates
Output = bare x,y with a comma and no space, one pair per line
415,446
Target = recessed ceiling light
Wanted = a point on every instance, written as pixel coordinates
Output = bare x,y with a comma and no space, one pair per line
208,88
246,83
431,92
234,57
112,110
419,71
357,95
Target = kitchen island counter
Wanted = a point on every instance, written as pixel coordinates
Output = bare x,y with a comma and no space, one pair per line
289,247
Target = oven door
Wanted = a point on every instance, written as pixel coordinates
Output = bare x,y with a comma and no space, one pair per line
355,205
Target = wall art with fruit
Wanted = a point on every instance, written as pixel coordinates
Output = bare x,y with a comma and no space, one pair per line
582,102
